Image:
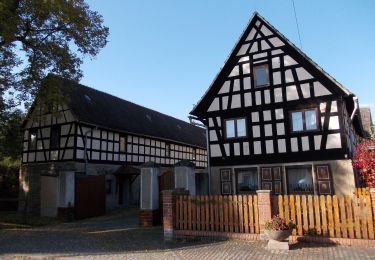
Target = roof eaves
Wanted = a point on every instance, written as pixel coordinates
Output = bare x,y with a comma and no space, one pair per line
143,135
225,62
256,14
338,84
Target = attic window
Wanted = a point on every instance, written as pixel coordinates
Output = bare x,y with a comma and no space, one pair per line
149,118
179,127
32,139
261,76
88,99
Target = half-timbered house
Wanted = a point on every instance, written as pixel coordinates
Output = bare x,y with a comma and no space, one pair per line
97,134
277,120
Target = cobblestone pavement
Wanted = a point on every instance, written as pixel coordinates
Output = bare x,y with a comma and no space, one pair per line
117,236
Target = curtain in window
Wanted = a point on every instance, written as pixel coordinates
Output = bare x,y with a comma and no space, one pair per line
230,128
247,180
297,121
310,118
300,180
241,127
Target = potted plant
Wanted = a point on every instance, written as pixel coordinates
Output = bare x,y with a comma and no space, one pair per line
278,229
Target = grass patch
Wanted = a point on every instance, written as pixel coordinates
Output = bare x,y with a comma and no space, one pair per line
14,219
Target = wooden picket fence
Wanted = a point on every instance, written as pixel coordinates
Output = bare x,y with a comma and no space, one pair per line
331,216
237,213
361,191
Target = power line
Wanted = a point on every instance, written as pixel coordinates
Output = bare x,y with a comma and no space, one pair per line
295,16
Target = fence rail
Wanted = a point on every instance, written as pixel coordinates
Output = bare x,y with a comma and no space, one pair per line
236,214
331,216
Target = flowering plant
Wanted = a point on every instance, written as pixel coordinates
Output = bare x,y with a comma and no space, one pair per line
364,161
278,223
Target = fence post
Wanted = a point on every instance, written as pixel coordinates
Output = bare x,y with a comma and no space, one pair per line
169,211
264,210
372,194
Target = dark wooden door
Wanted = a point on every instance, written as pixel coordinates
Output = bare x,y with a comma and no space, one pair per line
89,196
166,182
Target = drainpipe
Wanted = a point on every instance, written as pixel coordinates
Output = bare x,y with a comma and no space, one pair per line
355,100
192,118
85,147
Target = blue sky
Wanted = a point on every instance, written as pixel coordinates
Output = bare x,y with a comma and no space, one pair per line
164,54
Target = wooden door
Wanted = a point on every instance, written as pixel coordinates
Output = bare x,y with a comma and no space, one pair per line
89,196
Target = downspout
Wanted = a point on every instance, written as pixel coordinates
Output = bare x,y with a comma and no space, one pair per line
191,118
208,162
355,100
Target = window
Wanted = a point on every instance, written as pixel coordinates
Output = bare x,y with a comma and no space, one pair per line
261,76
247,181
122,144
323,179
32,139
226,181
235,128
55,137
304,120
300,180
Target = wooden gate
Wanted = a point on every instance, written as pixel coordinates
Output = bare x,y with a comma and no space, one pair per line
166,182
89,196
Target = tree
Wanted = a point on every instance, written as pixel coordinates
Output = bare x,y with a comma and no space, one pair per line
38,37
11,136
364,161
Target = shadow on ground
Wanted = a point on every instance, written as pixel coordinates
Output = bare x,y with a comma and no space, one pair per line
110,234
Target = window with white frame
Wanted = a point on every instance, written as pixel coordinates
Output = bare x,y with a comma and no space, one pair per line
304,120
235,128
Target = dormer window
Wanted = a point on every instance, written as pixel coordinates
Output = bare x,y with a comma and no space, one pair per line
261,76
235,128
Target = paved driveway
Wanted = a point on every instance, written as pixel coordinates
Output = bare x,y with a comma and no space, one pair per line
118,236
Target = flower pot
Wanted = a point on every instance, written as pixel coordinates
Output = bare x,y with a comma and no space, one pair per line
278,235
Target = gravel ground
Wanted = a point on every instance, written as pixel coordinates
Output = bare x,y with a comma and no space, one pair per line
117,236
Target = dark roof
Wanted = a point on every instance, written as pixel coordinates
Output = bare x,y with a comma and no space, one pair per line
98,108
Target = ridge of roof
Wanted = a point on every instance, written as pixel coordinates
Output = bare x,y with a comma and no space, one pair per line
96,107
278,33
132,103
255,14
347,91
